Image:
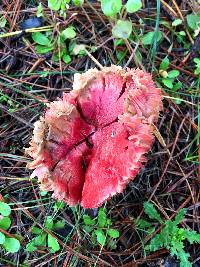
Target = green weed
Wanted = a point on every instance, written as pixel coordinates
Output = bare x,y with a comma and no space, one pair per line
43,239
3,22
114,10
100,229
197,66
171,236
63,5
169,78
46,43
10,244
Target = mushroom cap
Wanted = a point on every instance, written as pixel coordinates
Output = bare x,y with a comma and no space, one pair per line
93,141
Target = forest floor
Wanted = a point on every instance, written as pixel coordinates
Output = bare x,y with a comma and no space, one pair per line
36,69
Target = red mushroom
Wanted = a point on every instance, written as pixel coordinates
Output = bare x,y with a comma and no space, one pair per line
92,142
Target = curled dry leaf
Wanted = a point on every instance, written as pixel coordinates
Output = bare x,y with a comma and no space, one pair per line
92,142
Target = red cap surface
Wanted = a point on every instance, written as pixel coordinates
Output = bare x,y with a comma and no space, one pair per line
93,141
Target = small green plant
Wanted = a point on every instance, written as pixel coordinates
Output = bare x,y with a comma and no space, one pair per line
10,244
100,229
59,205
193,21
169,78
62,47
78,2
9,102
39,12
63,5
58,5
148,38
44,240
177,22
46,43
3,22
171,236
197,67
113,9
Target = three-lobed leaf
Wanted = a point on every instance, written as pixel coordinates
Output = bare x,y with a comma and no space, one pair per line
99,228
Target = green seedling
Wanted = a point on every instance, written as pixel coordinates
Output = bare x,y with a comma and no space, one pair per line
193,22
177,22
100,229
59,5
197,66
171,236
59,205
11,104
78,2
62,5
10,244
63,52
169,78
148,38
3,22
43,240
40,11
113,9
46,43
